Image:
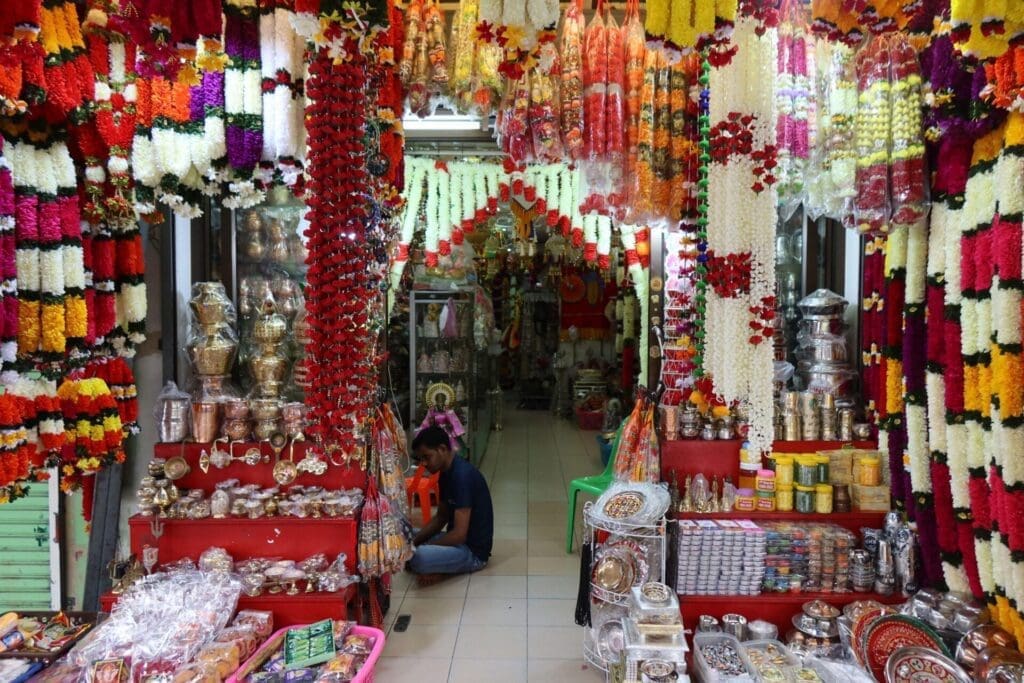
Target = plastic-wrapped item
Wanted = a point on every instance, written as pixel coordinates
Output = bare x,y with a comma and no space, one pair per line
544,117
572,81
516,141
262,622
335,577
225,657
172,414
162,622
795,103
871,205
215,560
244,637
908,177
197,673
357,644
831,184
615,90
595,82
634,47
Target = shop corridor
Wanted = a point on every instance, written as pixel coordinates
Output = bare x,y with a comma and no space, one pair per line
512,621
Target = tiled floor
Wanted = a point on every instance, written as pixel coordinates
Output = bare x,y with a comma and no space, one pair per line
512,621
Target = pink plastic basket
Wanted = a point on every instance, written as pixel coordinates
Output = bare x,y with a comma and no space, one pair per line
365,674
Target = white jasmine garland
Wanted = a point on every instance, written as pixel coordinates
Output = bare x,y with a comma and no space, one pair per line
430,243
118,165
252,92
554,186
917,448
144,161
604,236
956,438
1006,304
468,192
565,193
590,229
455,172
482,184
117,62
444,205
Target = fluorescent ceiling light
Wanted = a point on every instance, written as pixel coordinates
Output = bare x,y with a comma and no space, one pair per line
441,122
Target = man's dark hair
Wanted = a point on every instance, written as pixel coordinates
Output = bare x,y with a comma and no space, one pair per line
431,437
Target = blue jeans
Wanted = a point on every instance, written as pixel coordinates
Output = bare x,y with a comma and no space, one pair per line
444,559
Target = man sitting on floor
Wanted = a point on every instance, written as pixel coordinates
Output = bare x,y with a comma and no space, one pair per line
464,507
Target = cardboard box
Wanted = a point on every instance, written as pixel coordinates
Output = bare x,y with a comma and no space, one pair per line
840,465
870,498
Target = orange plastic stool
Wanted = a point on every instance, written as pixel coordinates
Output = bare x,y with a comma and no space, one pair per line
423,485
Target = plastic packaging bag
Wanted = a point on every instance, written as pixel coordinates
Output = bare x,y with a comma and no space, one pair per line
634,50
544,115
615,89
907,173
871,205
595,83
172,414
572,81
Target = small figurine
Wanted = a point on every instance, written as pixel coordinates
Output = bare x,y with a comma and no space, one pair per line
432,321
440,396
673,492
686,504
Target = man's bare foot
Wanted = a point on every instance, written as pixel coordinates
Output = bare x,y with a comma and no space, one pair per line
424,580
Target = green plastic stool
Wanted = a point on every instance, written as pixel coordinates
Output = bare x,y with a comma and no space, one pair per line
596,485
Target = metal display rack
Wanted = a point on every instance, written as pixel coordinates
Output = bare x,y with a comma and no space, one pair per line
599,529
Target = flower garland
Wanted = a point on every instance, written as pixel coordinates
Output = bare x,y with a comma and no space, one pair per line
794,101
741,221
831,186
700,297
94,436
984,30
17,453
282,66
571,52
8,267
475,84
676,26
635,242
243,103
423,67
914,354
67,71
519,29
341,353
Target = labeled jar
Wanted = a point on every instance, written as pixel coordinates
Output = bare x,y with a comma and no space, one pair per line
765,501
783,497
765,481
870,470
841,498
823,499
748,476
803,498
822,462
806,470
745,500
783,470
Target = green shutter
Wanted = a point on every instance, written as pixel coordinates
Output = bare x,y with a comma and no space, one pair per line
26,531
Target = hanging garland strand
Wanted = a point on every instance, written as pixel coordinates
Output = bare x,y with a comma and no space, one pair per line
704,160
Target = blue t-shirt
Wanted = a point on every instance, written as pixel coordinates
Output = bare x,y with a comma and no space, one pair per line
462,486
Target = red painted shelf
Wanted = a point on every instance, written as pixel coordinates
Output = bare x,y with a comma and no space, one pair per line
722,458
343,477
776,608
288,538
851,520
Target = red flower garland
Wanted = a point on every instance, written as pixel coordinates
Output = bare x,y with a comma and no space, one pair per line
340,356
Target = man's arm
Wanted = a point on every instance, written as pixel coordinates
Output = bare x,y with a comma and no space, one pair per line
457,536
434,526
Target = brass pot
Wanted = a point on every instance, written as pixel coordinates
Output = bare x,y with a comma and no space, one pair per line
213,355
998,665
268,368
266,409
237,429
209,303
270,327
